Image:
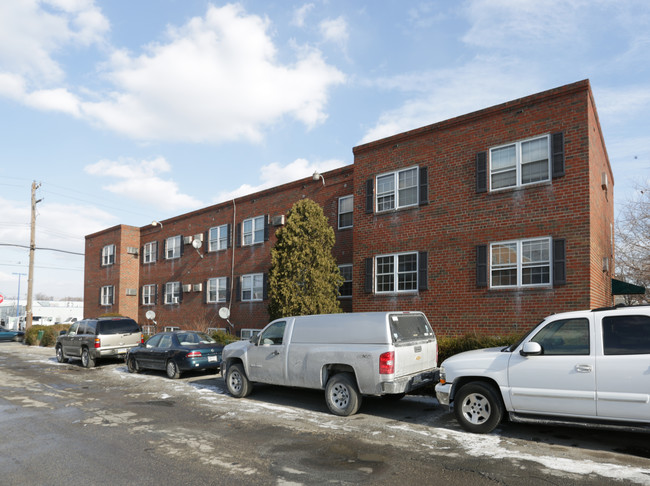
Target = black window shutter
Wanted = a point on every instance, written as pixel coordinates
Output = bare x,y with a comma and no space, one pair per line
481,266
238,235
228,235
265,286
423,274
155,294
182,244
155,250
227,289
370,196
559,262
557,154
368,275
266,227
238,289
481,172
424,186
180,292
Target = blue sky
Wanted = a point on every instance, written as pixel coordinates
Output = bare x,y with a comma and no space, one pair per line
132,111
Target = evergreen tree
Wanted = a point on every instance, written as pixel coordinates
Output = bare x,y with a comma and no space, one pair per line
304,278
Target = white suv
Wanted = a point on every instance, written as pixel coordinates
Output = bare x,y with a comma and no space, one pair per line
576,367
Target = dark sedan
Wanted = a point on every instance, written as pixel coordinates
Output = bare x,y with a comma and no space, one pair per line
10,335
176,352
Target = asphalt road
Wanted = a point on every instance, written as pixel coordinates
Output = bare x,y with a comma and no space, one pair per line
62,424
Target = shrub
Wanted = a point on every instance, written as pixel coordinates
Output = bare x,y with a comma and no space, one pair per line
49,336
223,338
448,346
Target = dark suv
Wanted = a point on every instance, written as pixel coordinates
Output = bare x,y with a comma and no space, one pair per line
92,339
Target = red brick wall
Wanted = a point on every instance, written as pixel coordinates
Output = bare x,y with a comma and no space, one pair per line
457,218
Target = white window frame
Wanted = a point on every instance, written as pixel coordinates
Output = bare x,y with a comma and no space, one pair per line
396,273
149,330
252,283
173,244
246,334
149,252
518,163
396,192
250,236
171,328
108,255
216,286
350,212
220,240
519,265
107,295
172,293
149,294
347,266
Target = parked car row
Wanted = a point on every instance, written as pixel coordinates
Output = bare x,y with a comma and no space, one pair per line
580,368
11,335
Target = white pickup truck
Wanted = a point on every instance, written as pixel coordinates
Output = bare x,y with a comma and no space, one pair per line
586,367
347,355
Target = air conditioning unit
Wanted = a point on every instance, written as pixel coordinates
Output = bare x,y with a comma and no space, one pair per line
198,236
175,300
131,250
277,220
131,292
603,181
198,287
187,240
187,287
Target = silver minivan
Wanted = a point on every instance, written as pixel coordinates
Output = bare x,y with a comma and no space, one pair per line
93,339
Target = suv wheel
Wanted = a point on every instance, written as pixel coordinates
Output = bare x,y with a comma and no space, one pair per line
60,357
87,361
478,408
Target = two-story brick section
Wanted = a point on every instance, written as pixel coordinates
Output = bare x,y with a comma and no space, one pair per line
486,222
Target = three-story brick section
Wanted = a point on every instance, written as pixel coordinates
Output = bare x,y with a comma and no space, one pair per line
486,222
511,221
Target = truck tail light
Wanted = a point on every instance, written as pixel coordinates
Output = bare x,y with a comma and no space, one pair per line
194,354
98,343
387,363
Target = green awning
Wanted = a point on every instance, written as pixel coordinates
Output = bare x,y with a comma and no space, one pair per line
623,288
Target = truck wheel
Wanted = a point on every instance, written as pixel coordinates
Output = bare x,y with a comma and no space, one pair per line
132,365
172,370
87,361
342,395
478,408
60,357
238,384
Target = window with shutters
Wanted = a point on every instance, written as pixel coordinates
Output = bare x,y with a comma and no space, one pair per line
107,293
252,287
172,293
148,294
149,253
108,255
218,238
253,231
520,163
520,263
345,290
173,247
217,289
396,273
397,190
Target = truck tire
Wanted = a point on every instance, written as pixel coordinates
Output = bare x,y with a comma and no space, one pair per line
478,407
60,357
237,382
87,361
342,395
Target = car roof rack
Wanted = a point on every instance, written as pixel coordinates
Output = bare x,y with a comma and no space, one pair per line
619,306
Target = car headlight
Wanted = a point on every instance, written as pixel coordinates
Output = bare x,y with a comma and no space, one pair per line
443,375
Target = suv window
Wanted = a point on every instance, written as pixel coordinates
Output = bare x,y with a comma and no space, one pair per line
91,327
74,329
409,327
564,337
117,326
82,328
626,335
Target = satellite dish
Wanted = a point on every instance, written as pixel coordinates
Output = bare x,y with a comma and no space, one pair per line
151,315
224,313
197,243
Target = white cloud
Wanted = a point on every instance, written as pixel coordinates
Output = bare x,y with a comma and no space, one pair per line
140,181
60,100
275,174
335,31
300,14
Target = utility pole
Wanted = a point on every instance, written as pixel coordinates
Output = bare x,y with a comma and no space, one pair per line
32,247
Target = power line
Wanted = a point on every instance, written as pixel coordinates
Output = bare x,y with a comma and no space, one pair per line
41,248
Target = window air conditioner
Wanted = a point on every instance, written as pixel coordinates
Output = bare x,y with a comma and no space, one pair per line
187,287
187,240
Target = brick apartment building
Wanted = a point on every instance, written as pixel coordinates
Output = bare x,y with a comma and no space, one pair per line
486,222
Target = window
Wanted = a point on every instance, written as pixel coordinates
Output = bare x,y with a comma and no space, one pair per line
346,206
148,294
274,334
173,247
218,238
172,292
247,334
624,335
150,252
217,289
346,288
396,273
252,287
397,189
520,163
107,293
564,337
253,231
108,255
522,263
148,330
166,341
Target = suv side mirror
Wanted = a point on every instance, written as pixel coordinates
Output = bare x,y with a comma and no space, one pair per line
531,349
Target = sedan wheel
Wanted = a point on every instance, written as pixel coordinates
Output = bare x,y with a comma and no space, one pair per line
172,370
132,365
